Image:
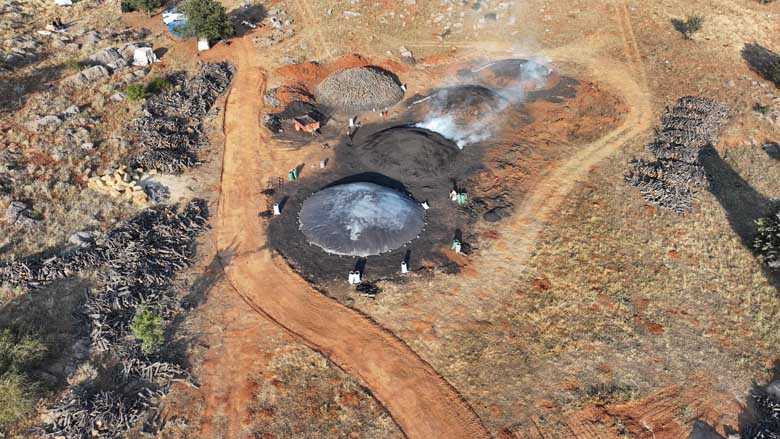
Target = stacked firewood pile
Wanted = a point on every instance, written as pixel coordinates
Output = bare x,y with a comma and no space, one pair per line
767,425
171,129
137,263
686,129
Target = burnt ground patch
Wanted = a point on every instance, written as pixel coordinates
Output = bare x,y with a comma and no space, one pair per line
424,165
364,162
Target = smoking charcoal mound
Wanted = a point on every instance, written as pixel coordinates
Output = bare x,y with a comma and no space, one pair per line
360,219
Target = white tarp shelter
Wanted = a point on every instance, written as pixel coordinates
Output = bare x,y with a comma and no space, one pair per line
143,56
63,2
203,44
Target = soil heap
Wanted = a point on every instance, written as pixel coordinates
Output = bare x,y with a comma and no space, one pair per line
359,89
360,219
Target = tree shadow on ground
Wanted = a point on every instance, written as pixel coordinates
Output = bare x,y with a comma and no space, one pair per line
52,313
753,421
742,203
763,61
16,89
254,13
703,430
197,295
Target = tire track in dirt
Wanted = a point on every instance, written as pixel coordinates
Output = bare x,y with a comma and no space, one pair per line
422,403
546,197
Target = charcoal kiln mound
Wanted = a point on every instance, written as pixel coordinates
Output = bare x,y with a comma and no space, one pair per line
508,74
466,99
360,219
359,89
408,153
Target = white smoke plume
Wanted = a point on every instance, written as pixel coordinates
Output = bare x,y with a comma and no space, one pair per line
535,71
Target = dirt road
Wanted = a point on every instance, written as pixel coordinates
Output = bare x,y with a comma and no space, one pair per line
423,404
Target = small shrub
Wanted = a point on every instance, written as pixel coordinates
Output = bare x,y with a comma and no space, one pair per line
157,84
74,65
147,327
767,241
17,398
141,5
135,92
18,395
19,352
761,109
689,26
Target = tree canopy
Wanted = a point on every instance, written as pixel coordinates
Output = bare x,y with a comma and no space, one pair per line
207,19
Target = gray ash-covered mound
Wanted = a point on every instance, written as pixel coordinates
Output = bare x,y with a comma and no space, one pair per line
527,73
359,89
360,219
687,129
171,128
407,153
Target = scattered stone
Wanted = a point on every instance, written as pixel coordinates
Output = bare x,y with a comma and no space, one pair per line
45,124
406,56
19,213
82,239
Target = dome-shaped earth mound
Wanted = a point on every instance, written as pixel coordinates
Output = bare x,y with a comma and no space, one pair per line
360,219
527,74
408,153
359,89
469,99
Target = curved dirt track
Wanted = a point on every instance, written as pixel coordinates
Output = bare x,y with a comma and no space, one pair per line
421,402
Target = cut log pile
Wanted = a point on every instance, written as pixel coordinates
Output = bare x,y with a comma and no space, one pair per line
171,128
137,263
122,183
687,128
767,424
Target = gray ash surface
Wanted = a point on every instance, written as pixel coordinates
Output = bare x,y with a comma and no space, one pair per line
360,219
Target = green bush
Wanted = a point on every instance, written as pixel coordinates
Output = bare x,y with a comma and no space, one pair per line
147,327
17,397
142,5
18,394
207,19
157,84
74,65
135,92
689,26
18,353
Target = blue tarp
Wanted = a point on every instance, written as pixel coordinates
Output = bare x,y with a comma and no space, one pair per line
175,22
